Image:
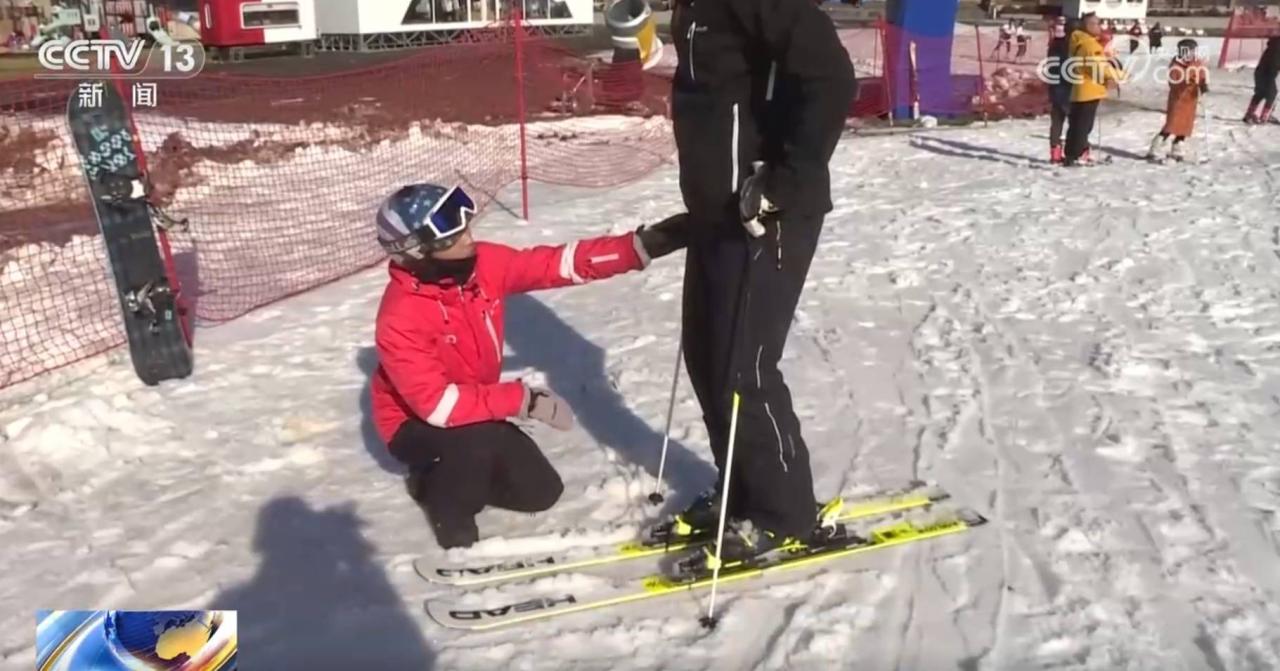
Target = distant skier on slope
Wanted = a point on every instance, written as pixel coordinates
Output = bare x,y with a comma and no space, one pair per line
1005,40
768,82
1095,74
1135,35
1264,83
1059,86
1024,40
1188,80
1155,39
437,401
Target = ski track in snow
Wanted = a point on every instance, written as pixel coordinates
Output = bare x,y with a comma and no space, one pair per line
1089,358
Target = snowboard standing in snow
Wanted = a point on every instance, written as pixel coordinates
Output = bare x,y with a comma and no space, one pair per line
159,343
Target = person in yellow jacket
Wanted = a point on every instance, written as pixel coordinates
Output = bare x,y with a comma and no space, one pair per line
1091,72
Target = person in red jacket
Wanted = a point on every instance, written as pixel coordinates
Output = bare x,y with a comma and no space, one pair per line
437,399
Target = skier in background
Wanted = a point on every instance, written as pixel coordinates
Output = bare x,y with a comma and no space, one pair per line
1264,83
1020,34
1155,38
1188,80
1096,73
437,401
1006,40
759,100
1135,37
1059,87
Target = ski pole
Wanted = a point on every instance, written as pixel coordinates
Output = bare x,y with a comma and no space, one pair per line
710,620
744,303
656,497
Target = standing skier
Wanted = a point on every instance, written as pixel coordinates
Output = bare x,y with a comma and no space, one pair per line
1155,39
1135,37
1264,83
1059,87
757,82
1006,40
1095,73
1188,80
437,401
1020,34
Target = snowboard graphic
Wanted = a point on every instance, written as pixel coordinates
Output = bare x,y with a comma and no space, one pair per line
159,343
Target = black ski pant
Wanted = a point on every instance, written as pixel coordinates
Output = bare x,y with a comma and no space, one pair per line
1264,90
740,295
1057,120
454,473
1080,127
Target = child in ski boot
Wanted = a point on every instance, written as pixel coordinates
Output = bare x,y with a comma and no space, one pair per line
438,403
1188,80
1264,84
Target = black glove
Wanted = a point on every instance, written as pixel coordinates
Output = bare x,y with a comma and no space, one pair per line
1204,88
667,236
753,205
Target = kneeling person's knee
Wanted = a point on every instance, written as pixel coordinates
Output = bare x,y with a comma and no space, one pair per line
546,493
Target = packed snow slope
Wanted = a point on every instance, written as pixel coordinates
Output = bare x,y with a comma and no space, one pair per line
1091,358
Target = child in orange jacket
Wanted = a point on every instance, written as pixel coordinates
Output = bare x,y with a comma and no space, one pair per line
1188,80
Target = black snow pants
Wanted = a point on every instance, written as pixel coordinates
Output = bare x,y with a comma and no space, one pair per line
1264,89
740,295
1079,128
454,473
1059,108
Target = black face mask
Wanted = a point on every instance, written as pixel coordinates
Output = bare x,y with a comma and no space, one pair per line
441,271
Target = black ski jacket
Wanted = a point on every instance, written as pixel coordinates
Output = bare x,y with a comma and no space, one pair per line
1269,63
757,80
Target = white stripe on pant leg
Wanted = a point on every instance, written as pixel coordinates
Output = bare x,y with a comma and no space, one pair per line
773,76
440,416
733,151
782,459
567,270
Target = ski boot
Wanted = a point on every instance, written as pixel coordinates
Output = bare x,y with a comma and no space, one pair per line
1056,155
1178,153
746,545
699,519
1157,150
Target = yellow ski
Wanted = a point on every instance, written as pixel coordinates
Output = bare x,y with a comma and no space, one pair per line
532,567
459,616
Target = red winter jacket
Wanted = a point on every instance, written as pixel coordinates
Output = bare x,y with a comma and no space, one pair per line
440,348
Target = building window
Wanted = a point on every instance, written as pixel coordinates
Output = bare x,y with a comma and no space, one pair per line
270,15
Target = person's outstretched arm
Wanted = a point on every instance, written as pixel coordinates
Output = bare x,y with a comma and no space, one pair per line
582,261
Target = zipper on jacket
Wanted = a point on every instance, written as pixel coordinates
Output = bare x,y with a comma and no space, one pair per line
693,26
733,151
493,335
773,76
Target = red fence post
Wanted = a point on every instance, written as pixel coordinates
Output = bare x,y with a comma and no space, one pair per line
982,76
518,16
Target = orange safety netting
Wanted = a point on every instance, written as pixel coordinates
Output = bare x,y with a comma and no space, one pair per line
279,177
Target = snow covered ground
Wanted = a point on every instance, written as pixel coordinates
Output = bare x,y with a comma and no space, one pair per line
1091,358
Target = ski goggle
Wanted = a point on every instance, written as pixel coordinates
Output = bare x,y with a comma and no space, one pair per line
447,218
